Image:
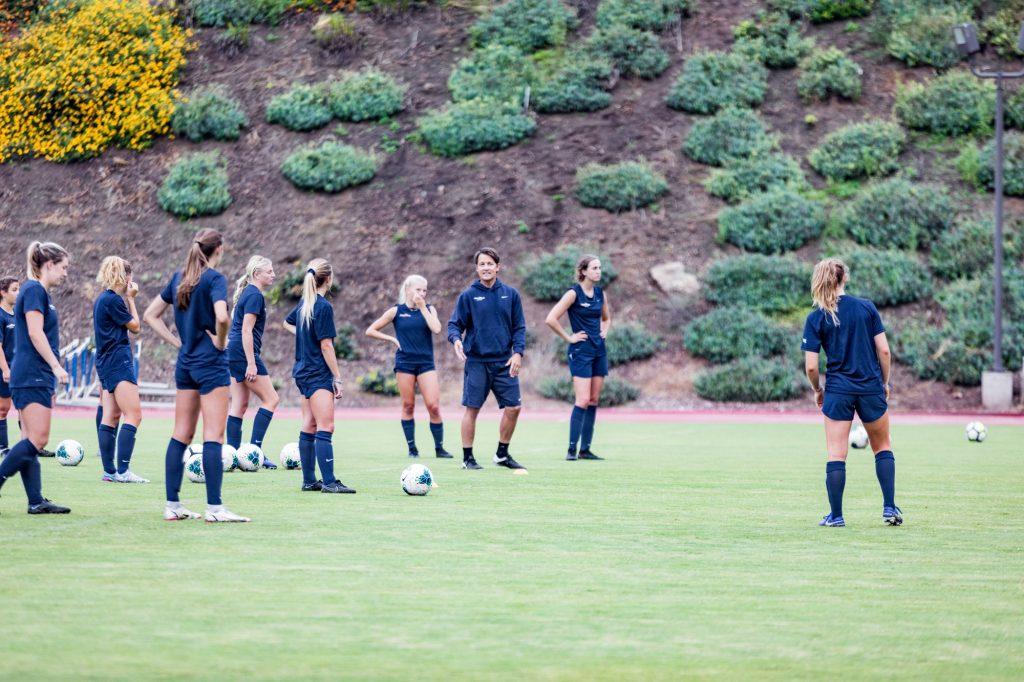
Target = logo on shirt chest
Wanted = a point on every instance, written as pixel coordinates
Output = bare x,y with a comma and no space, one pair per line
479,298
404,315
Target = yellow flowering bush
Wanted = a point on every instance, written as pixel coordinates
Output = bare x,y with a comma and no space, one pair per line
94,74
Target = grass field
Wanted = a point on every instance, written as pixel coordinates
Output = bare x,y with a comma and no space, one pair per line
692,552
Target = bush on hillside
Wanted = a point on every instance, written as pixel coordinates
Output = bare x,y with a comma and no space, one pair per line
577,83
645,15
494,72
379,382
1013,165
776,221
528,25
630,341
547,276
829,72
742,178
758,282
329,167
616,391
619,187
222,13
967,249
636,54
727,334
335,32
367,95
208,113
773,39
345,347
196,185
753,380
822,11
711,81
473,126
729,135
888,277
859,150
923,35
302,108
954,103
897,214
1001,29
1013,109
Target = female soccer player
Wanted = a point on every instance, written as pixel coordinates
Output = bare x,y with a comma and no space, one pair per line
8,296
36,370
198,294
317,377
590,318
856,381
114,315
414,322
248,373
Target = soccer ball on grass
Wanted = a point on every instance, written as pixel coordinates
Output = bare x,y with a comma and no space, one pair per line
976,432
249,457
417,480
69,453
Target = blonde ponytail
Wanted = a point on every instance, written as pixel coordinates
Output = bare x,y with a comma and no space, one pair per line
318,271
409,281
114,273
41,253
829,276
255,263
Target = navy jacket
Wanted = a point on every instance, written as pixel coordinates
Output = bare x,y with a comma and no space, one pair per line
492,320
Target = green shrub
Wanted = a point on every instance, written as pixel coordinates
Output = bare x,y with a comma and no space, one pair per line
923,35
829,72
629,341
366,95
288,288
335,32
821,11
528,25
727,334
619,187
1013,109
731,134
753,380
196,185
645,15
711,81
1001,29
616,391
473,126
897,214
233,39
954,103
741,178
1013,165
773,39
379,381
222,13
304,107
577,83
859,150
758,282
345,347
634,53
967,249
208,113
494,72
549,275
887,277
936,353
773,222
329,167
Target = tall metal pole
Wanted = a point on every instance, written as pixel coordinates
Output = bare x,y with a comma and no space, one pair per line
997,337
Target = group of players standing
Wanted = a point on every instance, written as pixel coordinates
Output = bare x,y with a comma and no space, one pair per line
219,366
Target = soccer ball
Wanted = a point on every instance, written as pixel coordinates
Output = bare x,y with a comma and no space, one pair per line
227,455
858,437
194,449
249,457
194,468
417,480
976,432
290,456
69,453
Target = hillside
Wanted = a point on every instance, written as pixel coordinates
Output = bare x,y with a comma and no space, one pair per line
426,214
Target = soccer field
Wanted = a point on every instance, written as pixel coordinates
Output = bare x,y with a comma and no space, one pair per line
693,551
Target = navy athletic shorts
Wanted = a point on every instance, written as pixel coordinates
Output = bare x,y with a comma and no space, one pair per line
308,387
5,389
203,379
480,378
23,397
588,366
842,406
237,369
414,368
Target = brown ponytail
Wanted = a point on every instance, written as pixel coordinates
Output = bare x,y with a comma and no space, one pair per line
829,276
207,242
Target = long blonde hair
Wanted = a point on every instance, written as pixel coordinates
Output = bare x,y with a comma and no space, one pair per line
41,253
829,276
114,273
409,281
255,263
202,249
318,271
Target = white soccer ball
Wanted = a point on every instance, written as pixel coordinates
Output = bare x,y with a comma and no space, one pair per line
69,453
417,480
976,432
249,457
290,456
194,468
858,437
194,449
228,457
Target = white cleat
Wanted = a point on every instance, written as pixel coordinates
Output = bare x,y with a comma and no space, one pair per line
129,477
223,515
179,514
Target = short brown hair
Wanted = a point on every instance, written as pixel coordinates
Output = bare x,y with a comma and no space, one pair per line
6,282
486,251
583,264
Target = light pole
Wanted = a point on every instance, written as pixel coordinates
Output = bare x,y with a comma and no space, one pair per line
997,385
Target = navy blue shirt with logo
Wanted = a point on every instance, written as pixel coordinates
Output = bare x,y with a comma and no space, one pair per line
852,362
492,320
413,334
250,302
30,370
310,364
110,314
585,316
7,335
199,320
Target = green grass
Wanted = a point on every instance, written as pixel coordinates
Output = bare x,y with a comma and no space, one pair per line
691,552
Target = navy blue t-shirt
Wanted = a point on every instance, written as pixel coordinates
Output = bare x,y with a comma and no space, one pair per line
250,302
109,316
852,362
7,335
309,361
30,370
585,316
197,348
413,334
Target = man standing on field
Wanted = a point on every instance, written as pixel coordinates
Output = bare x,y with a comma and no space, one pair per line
490,315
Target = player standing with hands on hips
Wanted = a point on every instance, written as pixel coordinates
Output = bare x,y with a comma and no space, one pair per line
488,331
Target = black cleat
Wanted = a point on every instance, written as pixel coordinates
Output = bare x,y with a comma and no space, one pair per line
47,507
508,462
571,456
471,464
267,464
441,453
587,454
314,487
414,454
46,453
336,487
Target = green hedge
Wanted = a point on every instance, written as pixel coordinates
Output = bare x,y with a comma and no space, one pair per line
821,11
329,167
646,15
303,107
636,54
758,282
922,35
1001,28
967,249
754,380
773,39
196,185
727,334
742,178
473,126
859,150
729,135
630,341
208,113
615,391
829,72
887,277
897,213
493,72
528,25
1013,165
379,381
711,81
547,276
345,347
776,221
222,13
619,187
367,95
577,83
954,103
